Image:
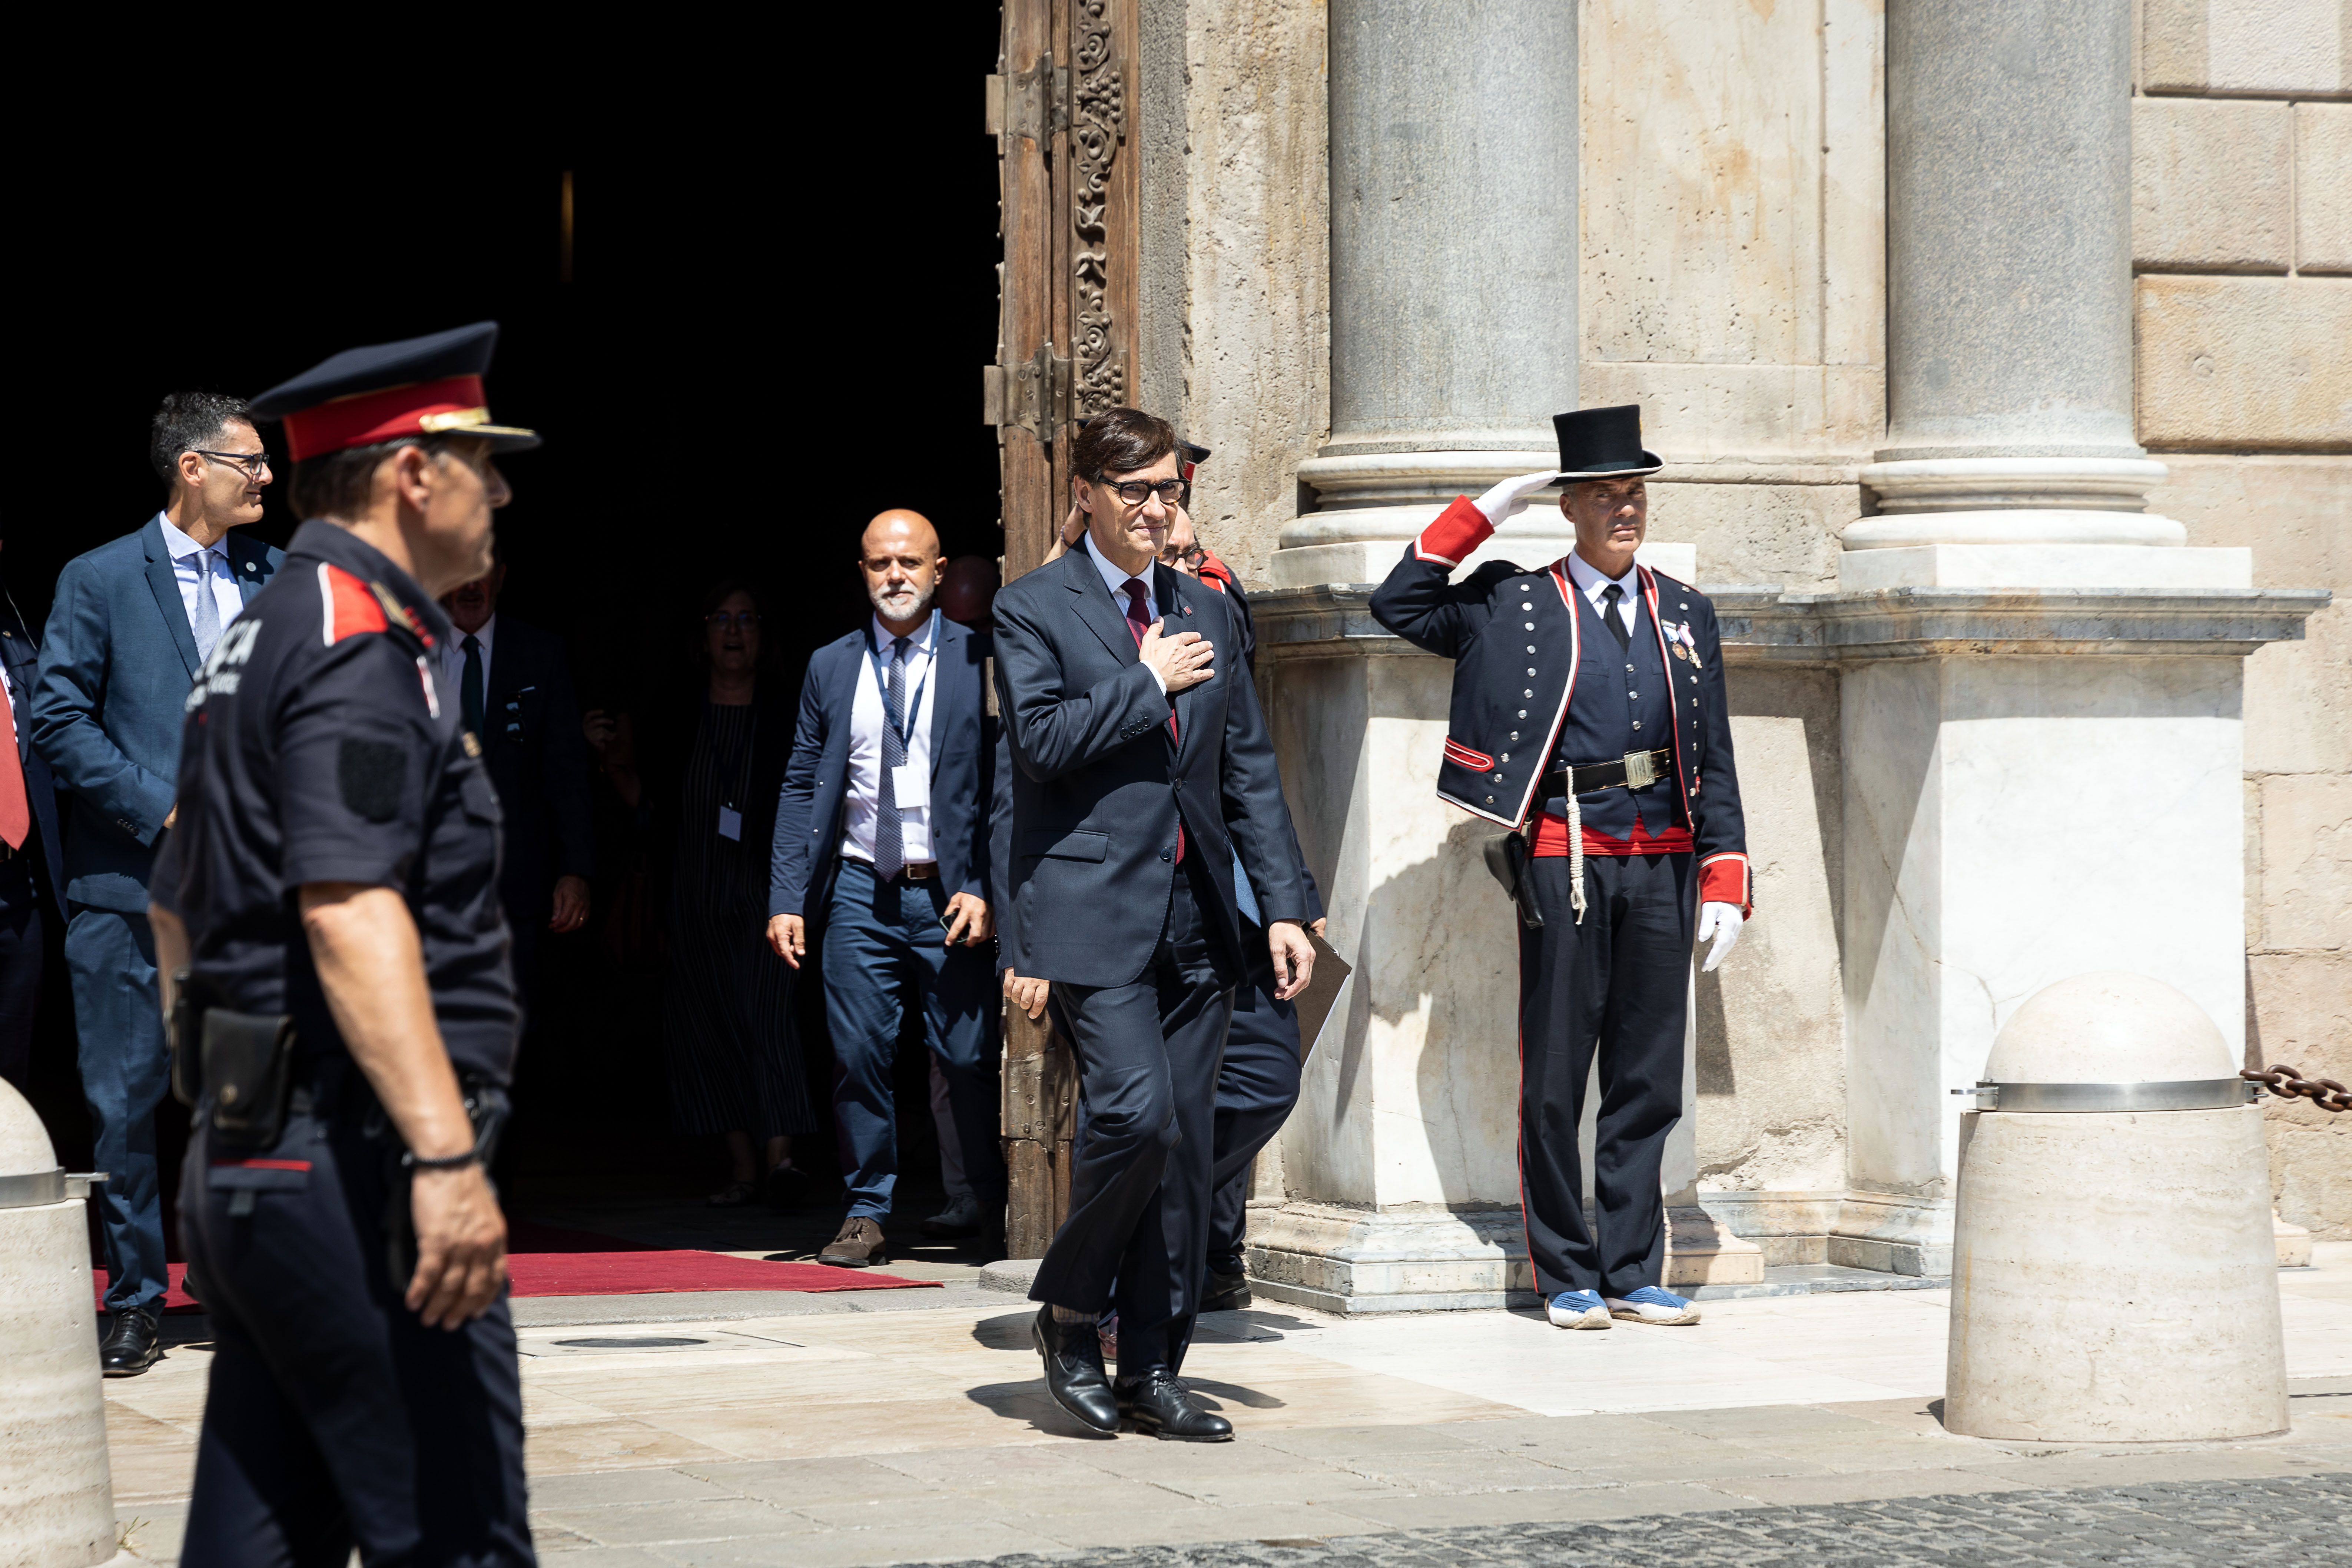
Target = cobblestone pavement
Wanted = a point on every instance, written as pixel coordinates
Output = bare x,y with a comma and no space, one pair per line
2240,1524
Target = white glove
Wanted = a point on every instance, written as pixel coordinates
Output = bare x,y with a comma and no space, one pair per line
1510,498
1723,923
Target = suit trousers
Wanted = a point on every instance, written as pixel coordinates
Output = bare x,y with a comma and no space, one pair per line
1257,1085
1616,987
884,949
334,1417
1137,1230
20,962
125,1071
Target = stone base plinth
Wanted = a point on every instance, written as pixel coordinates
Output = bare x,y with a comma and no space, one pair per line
2042,566
2292,1242
1894,1234
1416,1259
1702,1251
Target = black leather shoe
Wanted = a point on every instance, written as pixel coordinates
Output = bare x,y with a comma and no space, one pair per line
133,1344
1074,1372
959,1219
1225,1292
989,1245
1159,1404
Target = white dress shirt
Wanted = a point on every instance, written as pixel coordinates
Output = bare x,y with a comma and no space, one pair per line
866,721
453,658
200,566
1590,583
1115,581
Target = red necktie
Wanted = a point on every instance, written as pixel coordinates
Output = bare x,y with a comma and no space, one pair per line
1138,621
15,817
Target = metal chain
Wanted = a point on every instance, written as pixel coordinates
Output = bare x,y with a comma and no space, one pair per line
2288,1083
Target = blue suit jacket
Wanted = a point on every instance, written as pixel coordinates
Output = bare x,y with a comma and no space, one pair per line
116,665
812,814
22,655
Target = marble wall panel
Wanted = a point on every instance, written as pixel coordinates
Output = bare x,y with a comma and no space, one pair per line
1771,1021
2252,362
2306,832
2300,1014
1761,533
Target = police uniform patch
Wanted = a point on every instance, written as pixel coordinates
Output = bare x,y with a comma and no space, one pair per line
371,774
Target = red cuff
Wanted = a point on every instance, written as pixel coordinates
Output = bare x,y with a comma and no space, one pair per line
1724,879
1459,530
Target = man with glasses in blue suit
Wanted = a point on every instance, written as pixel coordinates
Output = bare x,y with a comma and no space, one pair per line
132,622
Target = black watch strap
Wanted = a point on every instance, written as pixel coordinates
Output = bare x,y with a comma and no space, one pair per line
447,1163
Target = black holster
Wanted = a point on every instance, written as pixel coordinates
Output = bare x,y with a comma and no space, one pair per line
236,1067
1506,858
486,1107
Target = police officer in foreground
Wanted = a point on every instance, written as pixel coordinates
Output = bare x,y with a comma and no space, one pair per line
1589,718
347,1019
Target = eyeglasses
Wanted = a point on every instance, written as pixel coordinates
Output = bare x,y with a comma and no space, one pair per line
1135,492
741,620
254,464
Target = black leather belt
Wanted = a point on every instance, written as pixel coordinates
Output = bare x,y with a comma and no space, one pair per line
1634,770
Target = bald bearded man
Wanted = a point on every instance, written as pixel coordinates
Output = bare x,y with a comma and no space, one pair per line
882,844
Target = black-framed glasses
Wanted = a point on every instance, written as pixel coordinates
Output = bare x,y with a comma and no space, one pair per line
254,464
741,620
1135,492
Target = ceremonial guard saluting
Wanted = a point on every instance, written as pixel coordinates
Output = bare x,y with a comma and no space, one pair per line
344,1010
1588,717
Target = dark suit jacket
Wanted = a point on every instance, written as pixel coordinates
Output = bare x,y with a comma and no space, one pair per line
21,653
117,662
1098,782
538,761
813,810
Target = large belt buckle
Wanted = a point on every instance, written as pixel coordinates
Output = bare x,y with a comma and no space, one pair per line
1641,770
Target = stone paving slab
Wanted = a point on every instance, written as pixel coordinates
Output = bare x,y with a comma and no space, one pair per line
2228,1524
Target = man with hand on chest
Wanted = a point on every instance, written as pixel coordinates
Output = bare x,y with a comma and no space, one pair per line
1588,713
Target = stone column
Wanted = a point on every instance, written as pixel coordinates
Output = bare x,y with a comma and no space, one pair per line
2008,304
1454,268
2041,724
1454,340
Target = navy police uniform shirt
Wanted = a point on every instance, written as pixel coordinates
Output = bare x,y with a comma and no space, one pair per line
317,747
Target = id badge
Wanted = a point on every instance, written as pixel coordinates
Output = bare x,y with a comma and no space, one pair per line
910,785
730,824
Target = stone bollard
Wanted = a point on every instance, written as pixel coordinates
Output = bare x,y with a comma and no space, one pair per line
57,1496
2114,1279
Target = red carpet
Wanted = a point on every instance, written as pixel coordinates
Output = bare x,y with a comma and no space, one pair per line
548,1260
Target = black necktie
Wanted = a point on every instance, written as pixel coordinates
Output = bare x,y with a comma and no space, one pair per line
469,684
1610,596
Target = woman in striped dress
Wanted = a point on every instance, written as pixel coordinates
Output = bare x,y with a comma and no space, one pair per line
735,1064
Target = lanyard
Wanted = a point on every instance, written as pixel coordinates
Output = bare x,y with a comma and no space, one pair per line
905,728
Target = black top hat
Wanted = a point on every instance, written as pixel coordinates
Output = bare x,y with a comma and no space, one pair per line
1603,444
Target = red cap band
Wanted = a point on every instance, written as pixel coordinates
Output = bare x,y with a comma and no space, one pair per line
420,409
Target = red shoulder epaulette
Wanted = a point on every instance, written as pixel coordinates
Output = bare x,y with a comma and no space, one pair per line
347,606
1213,572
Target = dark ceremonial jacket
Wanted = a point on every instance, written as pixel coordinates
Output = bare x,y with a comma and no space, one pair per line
22,655
539,759
813,814
1510,706
116,661
1099,785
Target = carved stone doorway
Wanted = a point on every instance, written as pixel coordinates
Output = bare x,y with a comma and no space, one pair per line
1062,106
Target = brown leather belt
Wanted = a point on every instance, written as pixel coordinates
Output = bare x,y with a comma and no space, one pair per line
921,871
1634,770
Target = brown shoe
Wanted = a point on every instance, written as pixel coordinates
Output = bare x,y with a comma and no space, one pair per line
859,1246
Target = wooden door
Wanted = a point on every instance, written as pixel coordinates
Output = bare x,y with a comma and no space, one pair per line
1063,109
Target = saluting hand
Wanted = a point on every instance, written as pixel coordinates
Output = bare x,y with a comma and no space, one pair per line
1183,660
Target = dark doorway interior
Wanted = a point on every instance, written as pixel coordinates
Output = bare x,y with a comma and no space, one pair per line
763,340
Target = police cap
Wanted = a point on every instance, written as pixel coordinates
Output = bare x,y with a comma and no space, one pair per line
430,385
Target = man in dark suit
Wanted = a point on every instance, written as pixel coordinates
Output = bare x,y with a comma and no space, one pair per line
883,826
31,856
132,624
1138,773
514,692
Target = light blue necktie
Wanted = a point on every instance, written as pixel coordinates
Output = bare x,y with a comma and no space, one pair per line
206,622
